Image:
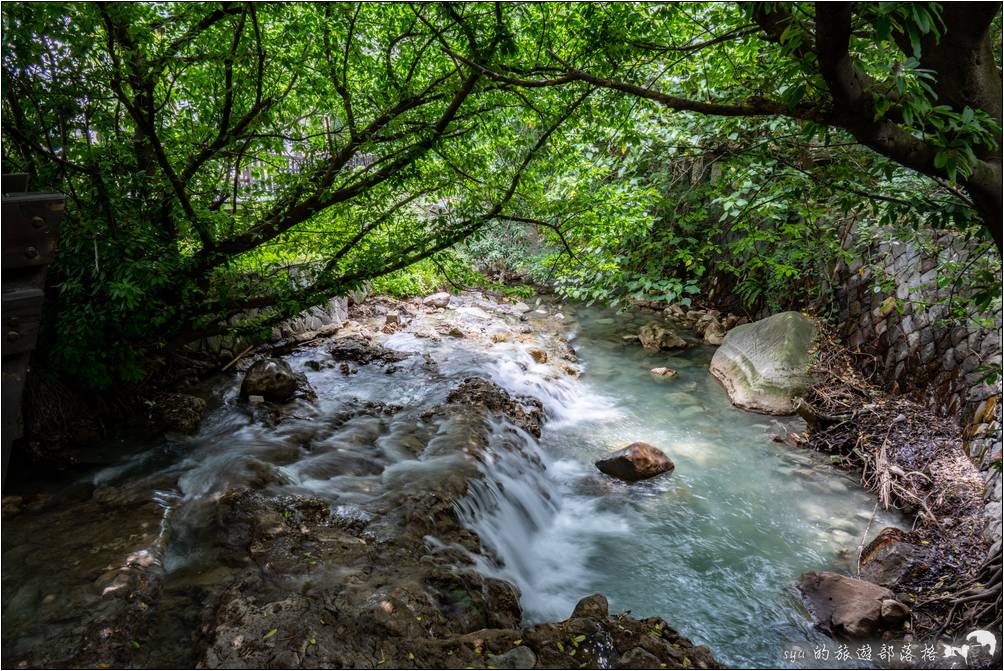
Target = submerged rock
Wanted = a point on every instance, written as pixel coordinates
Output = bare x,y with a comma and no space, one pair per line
537,354
655,337
764,366
663,372
850,608
271,379
637,461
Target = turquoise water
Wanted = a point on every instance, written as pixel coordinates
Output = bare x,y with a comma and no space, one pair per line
715,547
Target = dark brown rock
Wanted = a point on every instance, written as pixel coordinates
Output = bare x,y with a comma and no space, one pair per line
655,337
638,658
890,558
850,608
594,605
271,379
179,412
637,461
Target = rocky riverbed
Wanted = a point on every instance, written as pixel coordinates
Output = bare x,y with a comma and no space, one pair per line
308,523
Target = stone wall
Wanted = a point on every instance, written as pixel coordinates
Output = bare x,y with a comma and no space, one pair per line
891,307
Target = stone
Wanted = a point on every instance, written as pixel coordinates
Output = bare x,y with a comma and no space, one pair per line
455,332
520,657
894,611
714,332
655,337
271,379
890,558
11,505
521,307
764,366
594,605
850,608
637,461
256,399
437,300
638,658
392,319
179,412
538,355
662,371
359,349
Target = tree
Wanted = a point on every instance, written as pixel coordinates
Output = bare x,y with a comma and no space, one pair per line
207,147
915,82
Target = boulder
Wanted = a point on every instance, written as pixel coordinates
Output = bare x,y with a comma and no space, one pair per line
539,355
520,657
655,337
594,605
662,371
637,461
271,379
359,349
638,658
848,607
764,366
890,558
714,332
179,412
438,300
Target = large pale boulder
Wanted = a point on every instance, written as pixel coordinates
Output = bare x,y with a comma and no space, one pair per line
637,461
437,300
850,608
764,366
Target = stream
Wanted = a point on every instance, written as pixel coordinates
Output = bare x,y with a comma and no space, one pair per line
714,548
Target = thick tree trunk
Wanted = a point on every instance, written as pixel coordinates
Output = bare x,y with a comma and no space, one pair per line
968,77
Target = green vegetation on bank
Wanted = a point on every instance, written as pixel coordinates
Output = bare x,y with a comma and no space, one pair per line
228,165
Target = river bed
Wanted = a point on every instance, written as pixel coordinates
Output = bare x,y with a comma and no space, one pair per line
713,548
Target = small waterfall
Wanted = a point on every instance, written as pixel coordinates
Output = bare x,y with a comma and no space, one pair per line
531,527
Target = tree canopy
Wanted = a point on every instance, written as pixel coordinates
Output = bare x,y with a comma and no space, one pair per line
229,164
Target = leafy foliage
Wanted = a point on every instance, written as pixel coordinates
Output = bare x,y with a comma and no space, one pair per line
229,165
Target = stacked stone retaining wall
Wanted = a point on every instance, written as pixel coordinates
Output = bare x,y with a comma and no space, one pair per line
892,308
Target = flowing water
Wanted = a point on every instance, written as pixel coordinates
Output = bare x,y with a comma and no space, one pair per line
712,548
